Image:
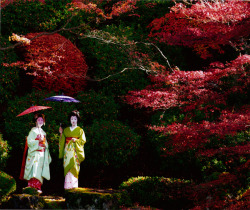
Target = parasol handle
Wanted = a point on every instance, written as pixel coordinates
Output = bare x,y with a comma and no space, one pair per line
60,128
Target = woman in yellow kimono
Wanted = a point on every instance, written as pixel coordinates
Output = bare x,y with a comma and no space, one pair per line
38,157
71,149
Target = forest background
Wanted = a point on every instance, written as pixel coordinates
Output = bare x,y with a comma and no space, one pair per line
164,91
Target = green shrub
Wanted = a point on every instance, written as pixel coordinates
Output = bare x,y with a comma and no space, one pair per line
110,143
96,106
9,79
7,185
24,17
156,191
30,191
182,164
4,152
54,203
109,60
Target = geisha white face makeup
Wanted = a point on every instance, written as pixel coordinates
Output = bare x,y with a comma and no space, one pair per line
73,120
39,122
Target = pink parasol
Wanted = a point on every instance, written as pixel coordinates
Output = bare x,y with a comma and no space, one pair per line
33,109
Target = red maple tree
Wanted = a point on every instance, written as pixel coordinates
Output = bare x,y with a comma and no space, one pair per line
205,91
205,25
212,101
56,64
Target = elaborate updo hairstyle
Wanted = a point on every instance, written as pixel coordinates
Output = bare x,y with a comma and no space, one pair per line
74,113
36,116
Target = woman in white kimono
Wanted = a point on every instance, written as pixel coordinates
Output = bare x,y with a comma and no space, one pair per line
71,149
38,158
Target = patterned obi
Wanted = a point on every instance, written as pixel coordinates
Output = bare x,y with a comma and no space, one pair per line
43,149
68,139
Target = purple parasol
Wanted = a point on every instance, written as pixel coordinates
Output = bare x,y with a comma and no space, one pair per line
62,98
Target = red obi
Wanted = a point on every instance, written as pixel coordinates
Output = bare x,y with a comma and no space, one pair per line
68,139
41,150
41,145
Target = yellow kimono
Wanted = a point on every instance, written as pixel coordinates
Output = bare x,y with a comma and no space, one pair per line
72,152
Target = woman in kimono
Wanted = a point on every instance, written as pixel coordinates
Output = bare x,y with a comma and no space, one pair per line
71,149
38,158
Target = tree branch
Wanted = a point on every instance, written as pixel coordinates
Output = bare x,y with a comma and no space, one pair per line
46,33
128,44
111,75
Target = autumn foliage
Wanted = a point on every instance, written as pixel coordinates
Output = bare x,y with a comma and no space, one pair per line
6,2
117,9
209,91
204,26
210,104
206,91
55,63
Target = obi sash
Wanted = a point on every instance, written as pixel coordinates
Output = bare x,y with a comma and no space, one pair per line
43,149
68,139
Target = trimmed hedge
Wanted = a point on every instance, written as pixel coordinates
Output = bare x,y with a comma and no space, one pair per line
4,152
7,185
157,192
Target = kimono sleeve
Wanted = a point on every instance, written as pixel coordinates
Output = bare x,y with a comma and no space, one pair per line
32,143
79,144
82,138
